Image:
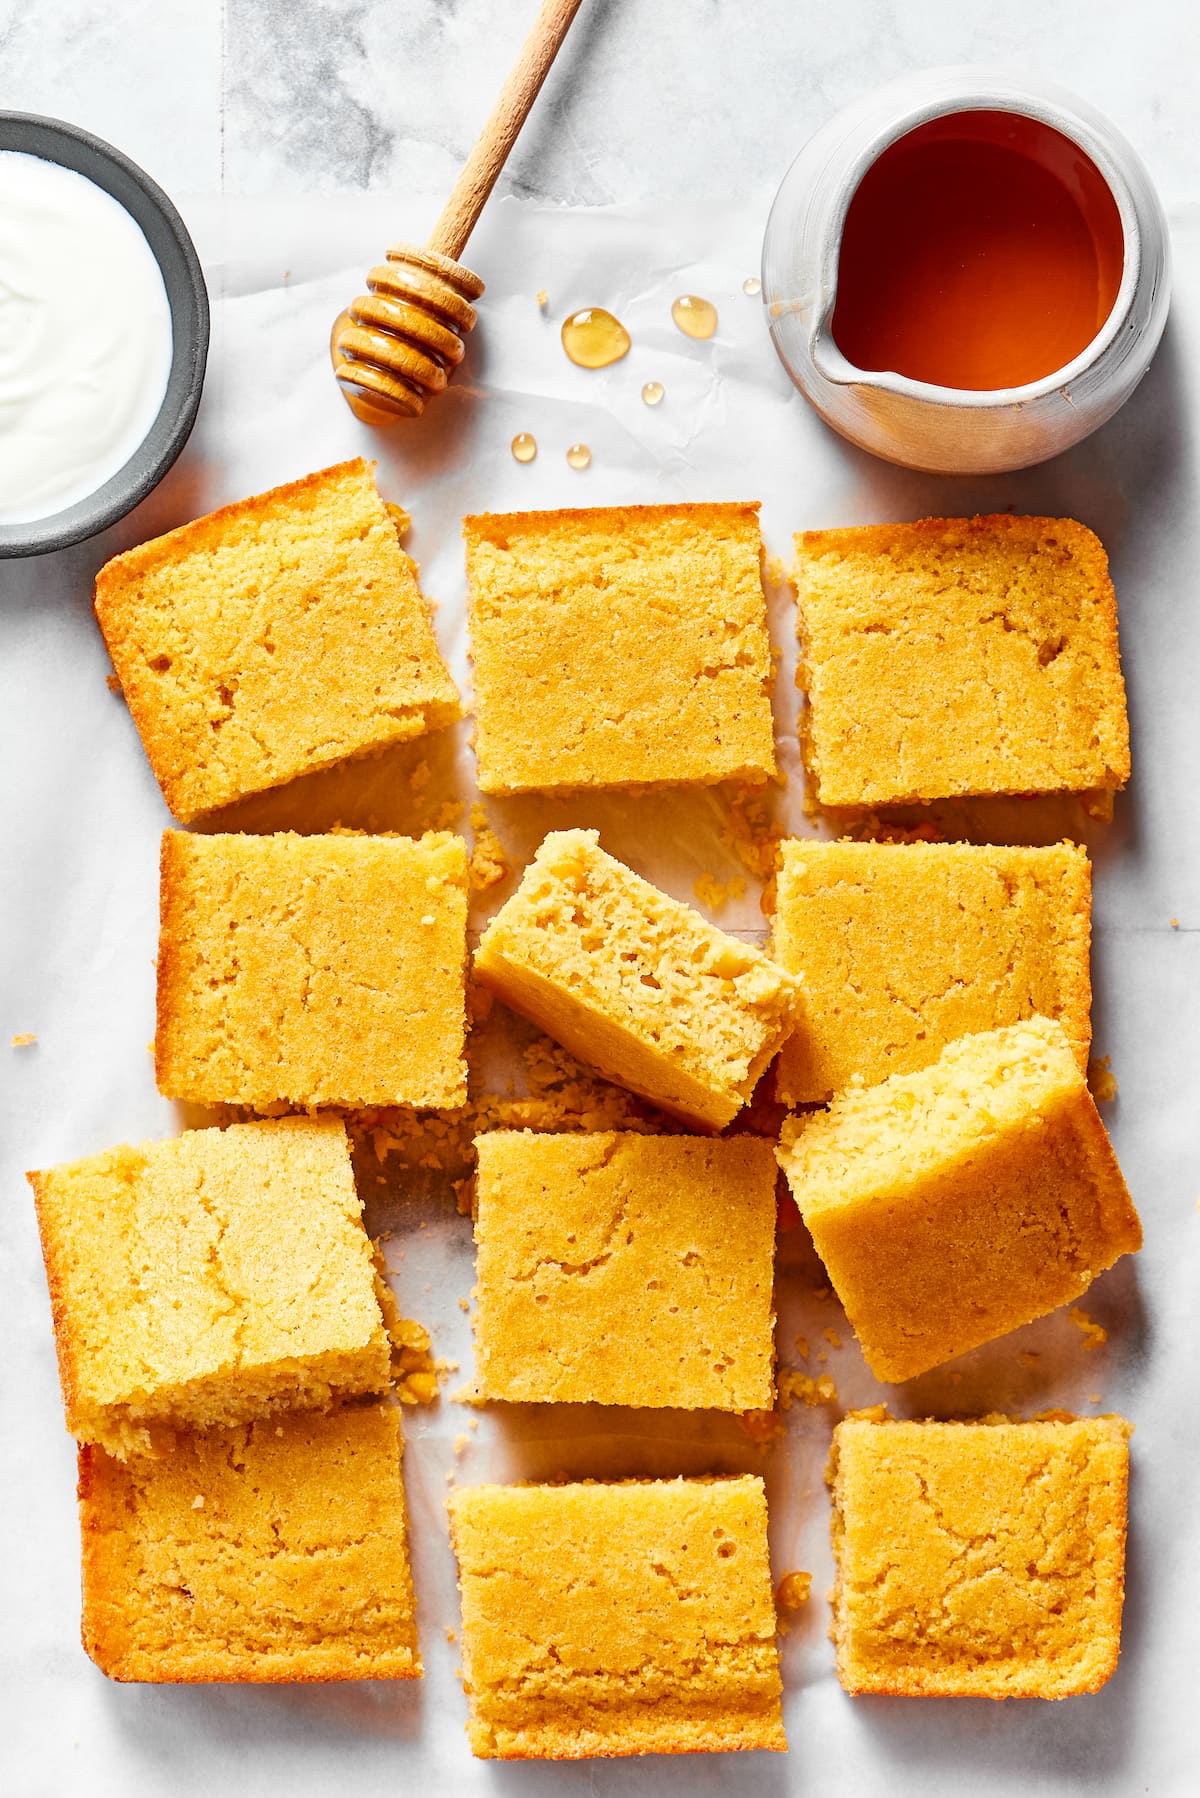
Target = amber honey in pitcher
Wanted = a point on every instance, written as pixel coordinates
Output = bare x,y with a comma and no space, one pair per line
982,250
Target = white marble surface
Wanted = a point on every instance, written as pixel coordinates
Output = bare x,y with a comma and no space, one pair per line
296,139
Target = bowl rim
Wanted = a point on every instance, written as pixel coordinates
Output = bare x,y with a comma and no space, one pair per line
72,147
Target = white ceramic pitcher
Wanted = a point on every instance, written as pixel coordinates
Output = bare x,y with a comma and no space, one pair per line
945,429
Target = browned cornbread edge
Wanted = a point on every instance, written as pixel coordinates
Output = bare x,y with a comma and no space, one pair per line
1092,554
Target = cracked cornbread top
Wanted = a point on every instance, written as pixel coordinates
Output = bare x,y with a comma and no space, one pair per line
619,645
215,1276
978,1559
958,656
272,638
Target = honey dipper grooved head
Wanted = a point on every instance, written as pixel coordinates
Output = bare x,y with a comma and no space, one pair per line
395,346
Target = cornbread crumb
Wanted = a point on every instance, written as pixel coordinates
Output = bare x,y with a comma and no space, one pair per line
901,948
563,606
211,1278
635,983
978,1559
1174,923
297,969
951,1205
750,832
625,1270
1094,1334
1102,1082
24,1039
793,1591
958,656
413,1368
715,893
489,863
650,1629
794,1384
266,1552
272,638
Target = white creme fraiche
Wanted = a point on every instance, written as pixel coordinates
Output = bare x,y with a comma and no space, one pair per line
85,337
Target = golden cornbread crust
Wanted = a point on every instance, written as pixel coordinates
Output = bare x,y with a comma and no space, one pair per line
270,1552
634,1618
978,1560
217,1276
619,645
958,656
954,1204
902,947
625,1270
325,970
272,638
635,984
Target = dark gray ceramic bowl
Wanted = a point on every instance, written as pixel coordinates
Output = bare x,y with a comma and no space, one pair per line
187,295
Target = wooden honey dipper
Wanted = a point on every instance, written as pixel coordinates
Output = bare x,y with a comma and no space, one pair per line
395,347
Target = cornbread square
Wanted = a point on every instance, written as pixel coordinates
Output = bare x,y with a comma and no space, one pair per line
314,970
635,984
978,1560
272,638
959,655
266,1552
954,1204
902,947
214,1277
625,1269
620,645
634,1618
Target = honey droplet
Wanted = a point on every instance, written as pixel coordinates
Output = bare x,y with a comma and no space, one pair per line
593,338
694,316
543,298
751,285
579,455
524,447
653,392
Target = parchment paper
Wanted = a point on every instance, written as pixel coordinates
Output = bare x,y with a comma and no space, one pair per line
78,927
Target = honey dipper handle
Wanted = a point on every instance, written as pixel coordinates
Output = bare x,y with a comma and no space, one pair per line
498,136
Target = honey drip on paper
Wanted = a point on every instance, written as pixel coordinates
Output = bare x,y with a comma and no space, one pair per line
593,338
751,285
652,393
695,317
524,447
980,251
579,456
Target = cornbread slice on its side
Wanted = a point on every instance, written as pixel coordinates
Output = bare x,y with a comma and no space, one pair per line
313,970
951,1205
269,1552
959,655
978,1560
617,1619
902,947
635,984
214,1277
617,646
272,638
625,1269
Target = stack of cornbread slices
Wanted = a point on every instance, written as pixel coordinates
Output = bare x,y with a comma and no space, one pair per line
922,1011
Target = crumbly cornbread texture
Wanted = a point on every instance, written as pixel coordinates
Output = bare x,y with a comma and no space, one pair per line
322,970
951,1205
621,645
617,1619
902,947
978,1560
636,984
273,1551
625,1269
959,655
271,638
210,1278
